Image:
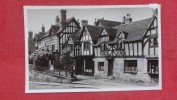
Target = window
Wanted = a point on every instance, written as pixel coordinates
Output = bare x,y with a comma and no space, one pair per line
130,66
103,46
86,45
101,66
71,47
153,67
119,45
53,47
85,33
104,38
154,41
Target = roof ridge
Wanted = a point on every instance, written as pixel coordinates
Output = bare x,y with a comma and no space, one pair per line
139,21
94,26
108,20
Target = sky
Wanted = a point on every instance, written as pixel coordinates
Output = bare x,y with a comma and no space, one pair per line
37,17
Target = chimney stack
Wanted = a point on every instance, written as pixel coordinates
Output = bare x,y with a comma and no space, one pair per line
127,19
84,22
95,23
78,22
154,12
57,20
30,33
123,20
63,17
43,28
128,15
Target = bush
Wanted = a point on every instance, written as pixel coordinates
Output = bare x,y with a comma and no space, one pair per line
58,64
41,63
30,61
39,68
67,61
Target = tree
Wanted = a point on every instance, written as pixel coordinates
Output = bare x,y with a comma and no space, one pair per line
67,61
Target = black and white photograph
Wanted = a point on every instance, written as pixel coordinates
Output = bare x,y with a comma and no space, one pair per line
92,48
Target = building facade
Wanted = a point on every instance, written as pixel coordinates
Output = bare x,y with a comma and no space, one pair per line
58,35
126,50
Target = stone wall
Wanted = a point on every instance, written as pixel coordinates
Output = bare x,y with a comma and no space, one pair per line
35,76
96,71
140,76
118,70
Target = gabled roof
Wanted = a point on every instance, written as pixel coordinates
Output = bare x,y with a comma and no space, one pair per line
54,29
94,32
35,37
75,36
108,23
135,30
46,34
111,32
40,35
67,23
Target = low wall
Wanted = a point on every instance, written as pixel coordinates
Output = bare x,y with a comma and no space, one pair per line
36,76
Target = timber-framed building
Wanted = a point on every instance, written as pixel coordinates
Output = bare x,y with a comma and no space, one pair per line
126,50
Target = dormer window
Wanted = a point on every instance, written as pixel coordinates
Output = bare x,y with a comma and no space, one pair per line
104,37
154,41
86,45
85,32
119,45
122,35
71,47
103,46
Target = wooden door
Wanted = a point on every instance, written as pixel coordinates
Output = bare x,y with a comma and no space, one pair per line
110,67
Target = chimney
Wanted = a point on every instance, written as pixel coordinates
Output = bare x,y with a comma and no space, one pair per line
128,15
30,33
130,20
84,22
123,20
154,12
95,23
57,20
63,17
78,22
127,19
43,28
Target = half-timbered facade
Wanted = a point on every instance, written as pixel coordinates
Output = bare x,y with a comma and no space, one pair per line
132,54
56,38
88,38
127,50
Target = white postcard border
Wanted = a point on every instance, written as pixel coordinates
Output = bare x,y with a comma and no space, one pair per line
27,90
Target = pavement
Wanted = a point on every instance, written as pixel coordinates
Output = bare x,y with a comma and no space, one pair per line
85,82
88,82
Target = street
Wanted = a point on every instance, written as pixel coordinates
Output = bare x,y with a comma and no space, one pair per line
88,83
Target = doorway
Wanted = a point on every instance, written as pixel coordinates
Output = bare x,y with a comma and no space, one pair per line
110,67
